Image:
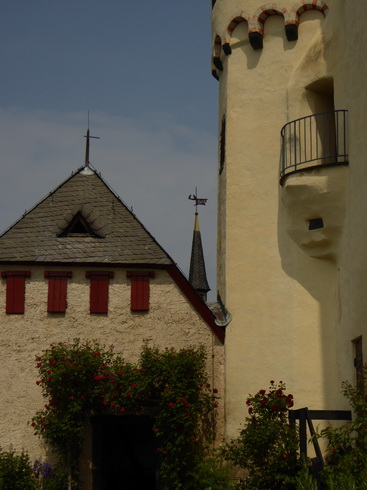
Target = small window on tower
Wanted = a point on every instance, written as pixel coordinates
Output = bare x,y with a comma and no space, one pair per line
222,146
315,224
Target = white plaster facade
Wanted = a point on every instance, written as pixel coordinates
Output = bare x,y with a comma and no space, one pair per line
296,296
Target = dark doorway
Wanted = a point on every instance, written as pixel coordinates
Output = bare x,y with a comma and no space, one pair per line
123,453
358,362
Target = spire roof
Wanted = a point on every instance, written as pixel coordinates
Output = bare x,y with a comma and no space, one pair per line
82,221
197,275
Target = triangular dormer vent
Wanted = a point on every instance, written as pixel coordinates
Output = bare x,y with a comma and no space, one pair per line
79,227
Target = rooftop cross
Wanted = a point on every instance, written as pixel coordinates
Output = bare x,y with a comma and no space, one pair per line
88,136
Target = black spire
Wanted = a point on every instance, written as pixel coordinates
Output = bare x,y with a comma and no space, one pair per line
197,275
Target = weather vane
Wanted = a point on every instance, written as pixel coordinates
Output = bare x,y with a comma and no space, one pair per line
199,201
88,136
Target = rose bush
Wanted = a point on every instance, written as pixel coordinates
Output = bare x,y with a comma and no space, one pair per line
267,445
81,378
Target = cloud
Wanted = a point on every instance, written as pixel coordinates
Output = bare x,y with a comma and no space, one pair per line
152,163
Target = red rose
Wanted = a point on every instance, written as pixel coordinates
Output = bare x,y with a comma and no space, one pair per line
133,386
215,405
262,392
272,382
54,362
273,408
250,410
120,373
97,378
215,390
122,409
33,424
165,453
187,405
171,405
183,399
192,438
128,394
263,401
248,402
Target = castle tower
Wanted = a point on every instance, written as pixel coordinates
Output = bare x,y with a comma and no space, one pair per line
291,210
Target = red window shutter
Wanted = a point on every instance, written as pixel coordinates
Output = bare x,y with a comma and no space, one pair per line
57,286
15,291
99,282
140,288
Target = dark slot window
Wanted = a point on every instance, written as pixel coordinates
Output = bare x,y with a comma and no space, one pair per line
315,224
222,148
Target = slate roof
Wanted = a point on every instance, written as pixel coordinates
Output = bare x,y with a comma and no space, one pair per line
118,237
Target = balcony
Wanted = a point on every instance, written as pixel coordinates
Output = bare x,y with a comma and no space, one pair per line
314,141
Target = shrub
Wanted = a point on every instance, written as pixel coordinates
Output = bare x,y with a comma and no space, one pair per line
16,471
267,445
346,455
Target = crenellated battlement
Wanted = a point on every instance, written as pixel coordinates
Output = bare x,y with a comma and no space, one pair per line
222,33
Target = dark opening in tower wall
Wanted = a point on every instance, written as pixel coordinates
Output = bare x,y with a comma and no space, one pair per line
315,224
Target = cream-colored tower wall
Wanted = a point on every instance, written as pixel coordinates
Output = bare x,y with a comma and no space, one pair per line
170,322
350,71
284,296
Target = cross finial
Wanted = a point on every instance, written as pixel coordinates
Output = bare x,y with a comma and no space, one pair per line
88,136
199,201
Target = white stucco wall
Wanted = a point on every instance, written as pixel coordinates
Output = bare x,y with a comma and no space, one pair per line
170,322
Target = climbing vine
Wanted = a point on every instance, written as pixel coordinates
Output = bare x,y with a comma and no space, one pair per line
82,379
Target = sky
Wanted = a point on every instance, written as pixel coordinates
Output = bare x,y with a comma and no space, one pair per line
142,69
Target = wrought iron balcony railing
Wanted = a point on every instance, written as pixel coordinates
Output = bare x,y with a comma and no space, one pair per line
312,141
